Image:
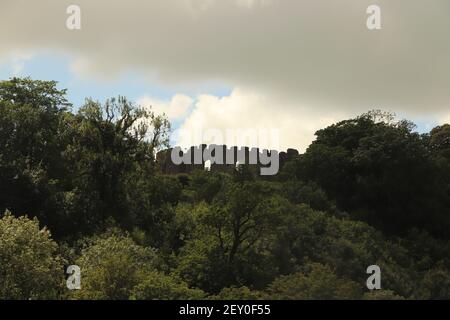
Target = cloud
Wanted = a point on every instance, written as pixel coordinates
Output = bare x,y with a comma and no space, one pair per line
175,109
246,118
446,119
16,61
310,58
251,3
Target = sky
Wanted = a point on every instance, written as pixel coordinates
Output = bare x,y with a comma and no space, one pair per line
288,67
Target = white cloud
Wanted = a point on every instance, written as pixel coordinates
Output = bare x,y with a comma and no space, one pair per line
80,67
16,60
175,109
446,119
246,111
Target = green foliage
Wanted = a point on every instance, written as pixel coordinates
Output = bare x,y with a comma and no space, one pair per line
232,234
38,94
368,191
157,286
298,192
112,265
207,185
381,295
436,284
74,171
319,283
30,267
381,172
241,293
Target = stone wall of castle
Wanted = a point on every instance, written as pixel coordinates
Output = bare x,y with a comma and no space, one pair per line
164,160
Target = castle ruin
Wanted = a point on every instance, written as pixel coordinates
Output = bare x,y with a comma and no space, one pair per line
244,155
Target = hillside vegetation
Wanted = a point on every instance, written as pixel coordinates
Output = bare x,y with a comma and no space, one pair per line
83,188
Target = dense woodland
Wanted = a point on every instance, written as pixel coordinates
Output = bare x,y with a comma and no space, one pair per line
81,186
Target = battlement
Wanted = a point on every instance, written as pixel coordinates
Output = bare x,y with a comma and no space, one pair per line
219,158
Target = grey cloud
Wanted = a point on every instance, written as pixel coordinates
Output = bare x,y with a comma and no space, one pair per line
316,52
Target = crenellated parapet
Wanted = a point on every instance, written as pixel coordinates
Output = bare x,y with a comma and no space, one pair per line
221,158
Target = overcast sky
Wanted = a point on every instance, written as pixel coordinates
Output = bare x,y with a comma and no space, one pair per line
291,65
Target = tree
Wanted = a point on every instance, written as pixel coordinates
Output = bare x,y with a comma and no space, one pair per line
439,142
381,295
157,286
112,150
379,171
436,284
206,185
229,246
32,142
240,293
241,216
318,283
30,267
111,266
368,191
440,139
36,93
